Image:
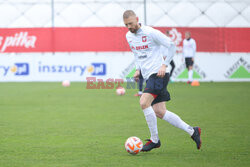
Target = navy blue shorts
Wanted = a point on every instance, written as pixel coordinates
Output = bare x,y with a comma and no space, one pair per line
189,61
158,88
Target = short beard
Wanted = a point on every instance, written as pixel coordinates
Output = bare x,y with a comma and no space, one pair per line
135,29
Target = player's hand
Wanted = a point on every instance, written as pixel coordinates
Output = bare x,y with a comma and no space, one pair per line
136,75
192,59
162,71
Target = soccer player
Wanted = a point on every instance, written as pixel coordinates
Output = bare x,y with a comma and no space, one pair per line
189,49
145,43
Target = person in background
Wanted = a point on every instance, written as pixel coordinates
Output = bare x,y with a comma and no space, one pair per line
189,49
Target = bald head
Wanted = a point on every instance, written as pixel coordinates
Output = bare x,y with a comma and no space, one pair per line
128,13
131,21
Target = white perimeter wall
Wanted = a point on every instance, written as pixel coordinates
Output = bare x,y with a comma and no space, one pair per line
104,65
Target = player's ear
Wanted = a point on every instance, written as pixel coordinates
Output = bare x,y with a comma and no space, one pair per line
137,19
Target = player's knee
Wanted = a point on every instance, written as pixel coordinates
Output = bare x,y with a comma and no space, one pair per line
159,114
144,104
159,111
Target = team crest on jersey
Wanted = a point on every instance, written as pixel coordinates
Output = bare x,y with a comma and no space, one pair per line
144,38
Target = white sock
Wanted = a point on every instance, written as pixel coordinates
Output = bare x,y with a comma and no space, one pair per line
176,121
140,92
152,123
190,75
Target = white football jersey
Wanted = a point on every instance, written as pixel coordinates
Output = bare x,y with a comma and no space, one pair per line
165,53
146,45
189,48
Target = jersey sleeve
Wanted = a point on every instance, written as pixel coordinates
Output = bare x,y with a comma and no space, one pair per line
165,41
137,67
164,51
160,38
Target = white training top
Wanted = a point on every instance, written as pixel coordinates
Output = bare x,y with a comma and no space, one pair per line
189,48
165,52
145,44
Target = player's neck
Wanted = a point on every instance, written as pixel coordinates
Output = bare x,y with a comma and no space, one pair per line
139,26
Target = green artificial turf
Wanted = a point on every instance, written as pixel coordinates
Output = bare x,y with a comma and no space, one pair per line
47,125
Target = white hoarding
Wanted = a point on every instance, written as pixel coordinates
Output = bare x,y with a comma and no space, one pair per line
116,65
58,67
215,67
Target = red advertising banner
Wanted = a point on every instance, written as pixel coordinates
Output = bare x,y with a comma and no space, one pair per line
103,39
